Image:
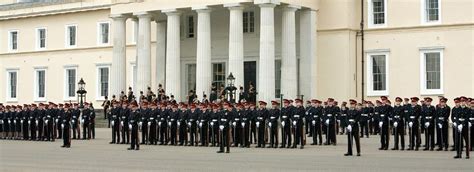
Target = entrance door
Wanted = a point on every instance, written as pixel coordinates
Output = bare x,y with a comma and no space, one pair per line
250,74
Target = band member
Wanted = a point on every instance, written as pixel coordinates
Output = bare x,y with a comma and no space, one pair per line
224,118
133,125
298,124
397,116
462,113
115,122
442,117
58,120
65,125
261,117
341,122
286,113
413,113
24,121
274,114
330,121
253,123
352,121
316,112
40,122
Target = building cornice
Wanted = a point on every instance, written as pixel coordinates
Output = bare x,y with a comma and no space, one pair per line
407,28
56,12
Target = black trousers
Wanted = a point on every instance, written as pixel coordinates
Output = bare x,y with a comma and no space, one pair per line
193,133
214,134
25,130
399,136
76,130
152,133
353,136
163,133
286,134
331,134
299,134
59,130
92,130
462,139
115,131
317,133
32,129
49,131
144,129
204,134
253,132
274,135
40,130
183,139
245,135
125,132
442,135
173,135
364,128
224,135
86,131
66,135
385,135
134,142
261,135
430,137
236,134
415,138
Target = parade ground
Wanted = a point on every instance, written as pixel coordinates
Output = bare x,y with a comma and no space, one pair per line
99,155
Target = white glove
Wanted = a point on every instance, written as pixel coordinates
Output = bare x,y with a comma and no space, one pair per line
283,123
169,123
427,124
327,122
221,127
200,125
149,123
460,127
159,123
82,120
410,124
314,122
121,123
380,124
294,122
440,125
395,124
62,126
258,124
29,122
11,122
140,124
189,123
112,122
349,128
130,126
14,121
470,125
270,124
234,123
243,124
212,123
455,124
56,120
21,121
35,122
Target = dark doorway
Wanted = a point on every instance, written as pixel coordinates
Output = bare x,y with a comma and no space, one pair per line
250,74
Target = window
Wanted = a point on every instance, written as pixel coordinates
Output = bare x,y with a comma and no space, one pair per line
103,81
431,71
249,22
71,32
70,83
377,73
377,13
103,31
133,76
190,27
40,38
13,40
218,74
190,78
277,78
12,83
40,84
430,11
135,31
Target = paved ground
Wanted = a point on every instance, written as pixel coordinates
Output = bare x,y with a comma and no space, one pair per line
98,155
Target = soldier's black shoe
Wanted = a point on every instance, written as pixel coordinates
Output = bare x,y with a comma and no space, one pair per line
432,149
467,157
68,146
347,154
227,151
313,143
63,146
439,149
452,149
394,149
137,148
358,154
129,148
457,157
301,147
402,149
111,142
282,146
380,148
425,149
220,151
269,146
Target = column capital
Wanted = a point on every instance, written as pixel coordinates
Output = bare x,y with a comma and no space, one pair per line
143,14
171,12
202,9
234,6
291,7
267,3
118,16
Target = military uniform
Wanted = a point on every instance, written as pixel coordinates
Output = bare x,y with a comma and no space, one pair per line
214,125
124,119
236,126
115,123
183,116
316,112
352,121
428,113
66,126
384,124
274,115
244,113
133,125
298,124
203,118
364,121
413,117
143,123
75,123
261,117
398,118
286,113
224,119
330,113
192,121
173,117
442,119
461,125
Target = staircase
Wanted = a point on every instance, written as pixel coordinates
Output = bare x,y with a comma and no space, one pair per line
100,122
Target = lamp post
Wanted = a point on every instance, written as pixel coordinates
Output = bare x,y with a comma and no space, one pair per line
82,93
230,89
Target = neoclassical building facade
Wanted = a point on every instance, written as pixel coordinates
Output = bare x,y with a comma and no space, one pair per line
289,48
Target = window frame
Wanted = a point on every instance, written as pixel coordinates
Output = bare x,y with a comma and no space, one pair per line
67,35
423,85
66,82
38,38
8,97
98,96
187,33
10,39
36,87
370,11
369,73
248,22
424,13
99,33
224,66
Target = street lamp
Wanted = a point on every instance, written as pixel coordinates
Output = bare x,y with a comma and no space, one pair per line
82,93
230,89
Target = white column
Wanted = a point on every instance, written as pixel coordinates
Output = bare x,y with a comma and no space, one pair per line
144,53
173,72
308,59
203,54
160,52
288,54
266,68
118,71
236,45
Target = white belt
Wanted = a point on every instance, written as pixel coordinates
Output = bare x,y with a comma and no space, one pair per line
441,118
344,115
152,118
329,115
471,119
351,120
237,119
461,119
397,116
272,117
364,115
215,120
223,119
245,119
315,116
382,115
260,118
172,119
296,116
284,117
428,117
162,118
412,117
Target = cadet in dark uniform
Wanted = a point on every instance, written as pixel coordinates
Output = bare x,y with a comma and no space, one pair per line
162,117
203,118
442,117
330,113
24,121
398,118
32,121
224,118
173,117
244,113
253,123
236,126
462,113
316,112
214,125
428,114
307,119
341,118
262,114
413,117
49,123
152,124
286,113
124,118
352,121
133,125
183,116
384,123
40,122
115,122
365,120
298,124
143,122
76,114
85,120
471,124
192,120
273,124
58,120
65,125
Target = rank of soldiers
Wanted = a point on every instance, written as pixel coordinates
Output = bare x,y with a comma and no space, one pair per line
47,122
